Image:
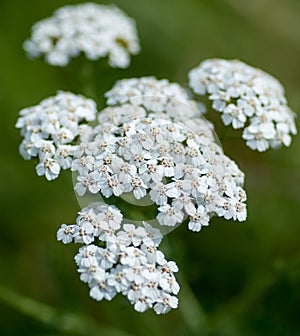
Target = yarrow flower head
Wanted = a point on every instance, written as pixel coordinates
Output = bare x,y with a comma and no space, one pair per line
98,31
248,98
51,129
139,97
122,258
157,96
185,174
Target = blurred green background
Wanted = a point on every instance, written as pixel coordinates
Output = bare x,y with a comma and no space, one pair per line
237,278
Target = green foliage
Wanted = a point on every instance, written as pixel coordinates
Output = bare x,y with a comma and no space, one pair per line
237,279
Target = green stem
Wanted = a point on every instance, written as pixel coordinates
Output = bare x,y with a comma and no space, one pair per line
192,311
60,321
87,75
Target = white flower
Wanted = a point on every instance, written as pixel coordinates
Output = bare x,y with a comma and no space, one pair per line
110,186
28,150
198,219
168,166
124,170
178,152
85,254
83,165
153,235
132,235
64,135
136,154
65,233
84,147
49,167
258,136
241,211
46,149
137,186
150,290
169,284
179,187
91,271
232,114
158,193
106,258
169,215
132,256
140,302
96,30
167,280
112,216
232,208
101,290
165,304
117,278
134,275
151,171
150,251
185,202
87,214
84,233
63,156
88,182
246,97
150,272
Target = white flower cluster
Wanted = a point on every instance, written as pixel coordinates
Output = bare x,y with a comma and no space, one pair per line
51,128
122,258
157,96
247,98
96,30
158,149
151,146
184,174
